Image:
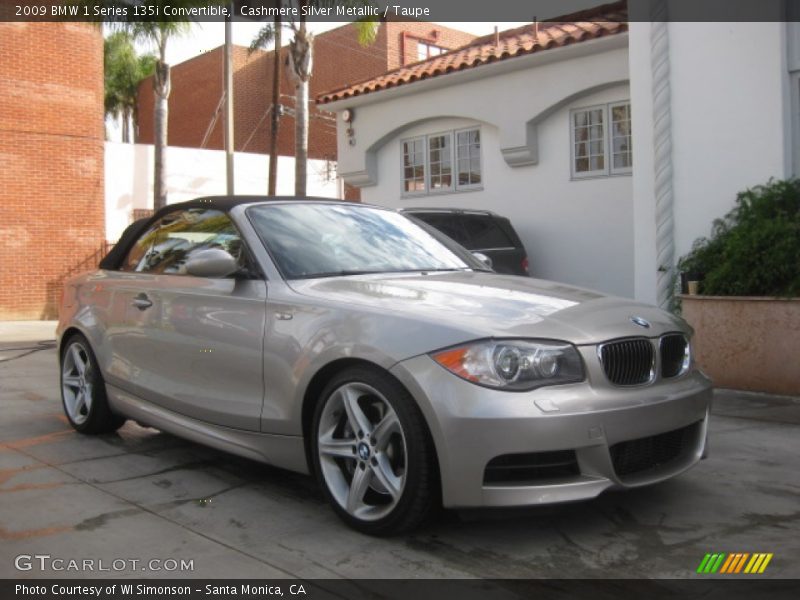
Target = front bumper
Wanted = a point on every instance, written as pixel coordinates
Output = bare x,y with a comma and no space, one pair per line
471,425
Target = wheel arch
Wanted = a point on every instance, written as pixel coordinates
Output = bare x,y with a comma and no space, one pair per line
66,335
100,417
313,392
94,341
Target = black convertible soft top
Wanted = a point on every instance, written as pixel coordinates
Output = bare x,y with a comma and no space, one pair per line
113,259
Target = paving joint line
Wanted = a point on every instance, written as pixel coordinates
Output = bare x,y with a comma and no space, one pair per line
165,518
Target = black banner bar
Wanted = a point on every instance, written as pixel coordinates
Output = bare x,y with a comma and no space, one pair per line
421,10
402,589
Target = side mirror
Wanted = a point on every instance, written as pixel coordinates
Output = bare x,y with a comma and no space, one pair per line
483,258
214,263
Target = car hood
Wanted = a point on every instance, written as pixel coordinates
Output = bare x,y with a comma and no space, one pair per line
492,305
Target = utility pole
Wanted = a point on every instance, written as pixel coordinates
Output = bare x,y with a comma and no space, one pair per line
276,107
229,103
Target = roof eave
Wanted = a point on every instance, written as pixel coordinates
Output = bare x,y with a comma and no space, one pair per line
604,43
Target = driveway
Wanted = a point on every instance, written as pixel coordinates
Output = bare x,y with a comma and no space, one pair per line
139,495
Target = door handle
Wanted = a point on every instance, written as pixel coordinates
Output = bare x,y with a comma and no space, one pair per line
142,302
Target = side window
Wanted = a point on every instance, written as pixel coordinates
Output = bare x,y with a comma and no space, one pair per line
448,224
485,234
166,246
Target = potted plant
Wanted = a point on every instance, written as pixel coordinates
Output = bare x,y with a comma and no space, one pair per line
747,313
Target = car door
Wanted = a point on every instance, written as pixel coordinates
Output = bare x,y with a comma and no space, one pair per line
192,345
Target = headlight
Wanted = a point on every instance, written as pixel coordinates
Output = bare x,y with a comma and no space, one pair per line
513,364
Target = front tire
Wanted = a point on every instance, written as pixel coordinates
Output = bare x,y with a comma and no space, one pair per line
373,453
83,390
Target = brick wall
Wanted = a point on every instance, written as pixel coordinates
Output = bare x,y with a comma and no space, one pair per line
196,89
197,86
403,36
51,152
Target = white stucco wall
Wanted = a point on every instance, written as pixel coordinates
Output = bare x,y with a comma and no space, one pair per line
728,117
731,129
578,232
642,180
192,173
730,126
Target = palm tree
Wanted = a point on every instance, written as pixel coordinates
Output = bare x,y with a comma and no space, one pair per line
301,55
273,34
157,33
123,71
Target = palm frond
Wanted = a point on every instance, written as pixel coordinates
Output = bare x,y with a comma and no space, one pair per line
264,38
123,71
144,27
366,27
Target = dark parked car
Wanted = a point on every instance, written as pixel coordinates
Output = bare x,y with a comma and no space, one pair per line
479,231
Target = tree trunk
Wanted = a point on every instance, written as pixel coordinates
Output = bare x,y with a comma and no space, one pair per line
301,139
135,123
276,114
301,53
126,126
161,88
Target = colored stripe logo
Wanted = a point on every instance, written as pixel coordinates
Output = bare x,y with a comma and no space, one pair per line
734,563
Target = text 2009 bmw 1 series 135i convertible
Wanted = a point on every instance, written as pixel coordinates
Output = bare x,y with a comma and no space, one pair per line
353,343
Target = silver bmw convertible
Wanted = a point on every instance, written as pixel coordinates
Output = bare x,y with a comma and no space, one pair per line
361,346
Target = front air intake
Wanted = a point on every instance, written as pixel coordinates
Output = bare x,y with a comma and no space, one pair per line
534,468
638,456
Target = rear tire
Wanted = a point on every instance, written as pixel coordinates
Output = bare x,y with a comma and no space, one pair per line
373,454
83,390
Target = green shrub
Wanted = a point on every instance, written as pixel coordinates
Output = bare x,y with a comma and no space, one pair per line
755,249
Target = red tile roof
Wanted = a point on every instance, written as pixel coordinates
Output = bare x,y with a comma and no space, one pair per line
609,19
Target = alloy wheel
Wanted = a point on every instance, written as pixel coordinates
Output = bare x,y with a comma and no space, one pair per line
362,451
76,382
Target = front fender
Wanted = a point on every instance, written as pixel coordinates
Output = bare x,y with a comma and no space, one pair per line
303,336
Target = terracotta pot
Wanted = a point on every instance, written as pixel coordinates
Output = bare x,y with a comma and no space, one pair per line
747,343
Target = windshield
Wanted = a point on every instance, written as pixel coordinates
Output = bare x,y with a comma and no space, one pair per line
322,240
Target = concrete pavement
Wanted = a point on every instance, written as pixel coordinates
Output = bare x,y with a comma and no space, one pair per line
140,494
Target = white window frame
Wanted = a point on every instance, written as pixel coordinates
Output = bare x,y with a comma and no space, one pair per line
467,186
608,169
424,140
597,172
454,187
451,146
611,169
